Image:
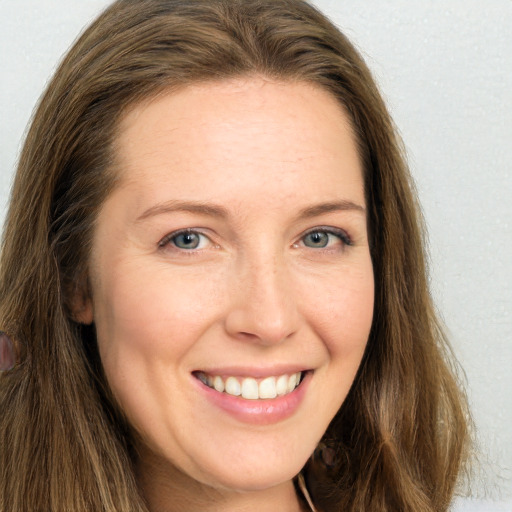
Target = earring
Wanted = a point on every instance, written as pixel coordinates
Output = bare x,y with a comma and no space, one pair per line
7,353
325,453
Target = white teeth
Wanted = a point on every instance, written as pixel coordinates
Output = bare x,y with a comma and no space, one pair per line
218,384
292,383
249,388
282,385
267,388
233,386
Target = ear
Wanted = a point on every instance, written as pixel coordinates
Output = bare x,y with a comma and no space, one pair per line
81,307
82,311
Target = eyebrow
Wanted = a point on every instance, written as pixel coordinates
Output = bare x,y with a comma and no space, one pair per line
213,210
335,206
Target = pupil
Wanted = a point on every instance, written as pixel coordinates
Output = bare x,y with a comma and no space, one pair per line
187,240
318,239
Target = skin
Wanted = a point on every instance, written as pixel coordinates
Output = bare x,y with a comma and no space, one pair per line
255,292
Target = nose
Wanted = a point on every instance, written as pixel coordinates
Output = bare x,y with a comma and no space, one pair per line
263,308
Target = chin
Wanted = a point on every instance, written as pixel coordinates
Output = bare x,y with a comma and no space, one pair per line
250,477
251,483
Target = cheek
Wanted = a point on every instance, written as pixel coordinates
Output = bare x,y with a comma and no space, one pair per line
148,318
147,321
347,312
347,324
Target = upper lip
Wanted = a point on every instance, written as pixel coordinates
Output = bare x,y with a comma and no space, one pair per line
252,371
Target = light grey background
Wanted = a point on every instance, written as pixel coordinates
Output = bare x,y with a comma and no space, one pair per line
445,69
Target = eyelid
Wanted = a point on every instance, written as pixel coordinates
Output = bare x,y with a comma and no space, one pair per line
340,233
165,241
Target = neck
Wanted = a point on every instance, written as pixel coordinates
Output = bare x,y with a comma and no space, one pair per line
166,489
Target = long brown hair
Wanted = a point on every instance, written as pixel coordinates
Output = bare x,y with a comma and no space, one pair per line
400,438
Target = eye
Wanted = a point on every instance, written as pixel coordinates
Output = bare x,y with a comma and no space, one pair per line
322,238
186,240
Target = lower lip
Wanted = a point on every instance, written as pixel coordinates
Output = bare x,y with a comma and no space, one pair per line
258,412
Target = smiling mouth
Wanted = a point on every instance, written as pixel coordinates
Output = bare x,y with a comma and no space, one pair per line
251,388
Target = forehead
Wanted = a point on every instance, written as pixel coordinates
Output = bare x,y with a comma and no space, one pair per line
247,133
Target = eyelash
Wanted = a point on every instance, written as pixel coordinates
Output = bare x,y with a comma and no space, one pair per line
168,239
338,233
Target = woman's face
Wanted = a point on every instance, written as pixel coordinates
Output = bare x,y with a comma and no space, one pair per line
232,258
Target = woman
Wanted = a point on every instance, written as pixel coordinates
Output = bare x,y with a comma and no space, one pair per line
213,277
